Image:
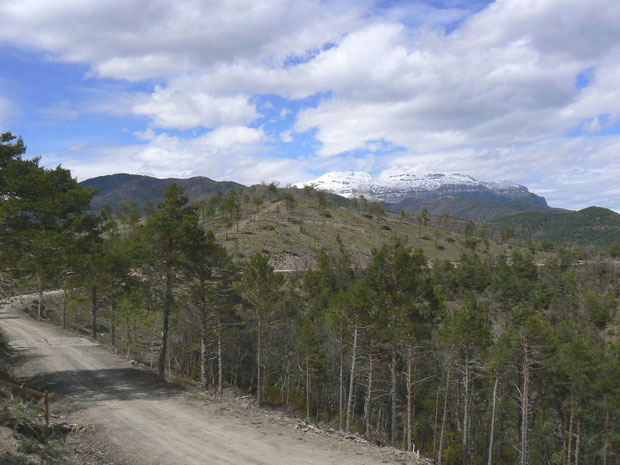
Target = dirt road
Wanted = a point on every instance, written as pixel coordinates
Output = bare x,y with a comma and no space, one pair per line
142,421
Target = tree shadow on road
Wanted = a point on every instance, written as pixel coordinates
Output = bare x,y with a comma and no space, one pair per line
105,384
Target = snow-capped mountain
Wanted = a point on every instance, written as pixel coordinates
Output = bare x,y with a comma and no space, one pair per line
398,187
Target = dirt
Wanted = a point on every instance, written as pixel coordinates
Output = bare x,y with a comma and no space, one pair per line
122,414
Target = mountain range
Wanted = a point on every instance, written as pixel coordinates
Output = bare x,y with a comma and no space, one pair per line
398,187
501,204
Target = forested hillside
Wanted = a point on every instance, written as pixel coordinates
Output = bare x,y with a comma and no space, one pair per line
465,208
592,225
485,354
122,189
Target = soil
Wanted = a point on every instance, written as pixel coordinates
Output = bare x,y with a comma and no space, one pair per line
123,414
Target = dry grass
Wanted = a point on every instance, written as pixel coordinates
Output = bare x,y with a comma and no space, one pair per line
292,239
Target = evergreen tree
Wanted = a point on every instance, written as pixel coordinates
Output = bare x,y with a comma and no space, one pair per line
37,209
207,273
260,287
164,235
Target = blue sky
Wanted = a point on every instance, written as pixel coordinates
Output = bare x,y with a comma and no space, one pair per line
524,90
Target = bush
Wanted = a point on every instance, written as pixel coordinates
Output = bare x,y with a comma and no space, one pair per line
5,352
28,446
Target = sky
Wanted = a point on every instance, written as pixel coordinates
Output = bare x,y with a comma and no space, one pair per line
287,90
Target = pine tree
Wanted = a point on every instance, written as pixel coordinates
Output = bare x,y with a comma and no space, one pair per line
164,235
260,287
207,274
38,207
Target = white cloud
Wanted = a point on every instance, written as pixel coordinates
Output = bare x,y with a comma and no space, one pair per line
227,153
440,92
184,109
571,172
497,80
494,97
132,39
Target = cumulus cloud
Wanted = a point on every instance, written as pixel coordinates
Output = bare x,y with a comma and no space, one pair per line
174,108
227,153
571,173
132,39
489,90
502,78
480,85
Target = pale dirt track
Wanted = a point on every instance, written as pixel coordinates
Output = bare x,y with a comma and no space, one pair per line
139,420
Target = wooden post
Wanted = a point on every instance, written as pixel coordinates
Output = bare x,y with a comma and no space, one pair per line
46,408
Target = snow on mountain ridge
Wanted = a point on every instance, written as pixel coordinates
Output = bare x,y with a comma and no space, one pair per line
395,187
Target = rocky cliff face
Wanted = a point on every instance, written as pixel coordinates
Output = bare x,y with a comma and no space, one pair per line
398,187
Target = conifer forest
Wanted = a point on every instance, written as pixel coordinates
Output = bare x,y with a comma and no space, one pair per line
499,355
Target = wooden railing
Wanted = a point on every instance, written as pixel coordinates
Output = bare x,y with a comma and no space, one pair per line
25,391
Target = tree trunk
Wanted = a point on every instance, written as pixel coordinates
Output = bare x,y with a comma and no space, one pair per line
112,328
367,407
259,330
564,451
525,405
492,432
352,379
577,442
220,365
128,327
203,349
409,395
152,345
435,425
606,439
41,305
93,328
64,306
570,428
163,352
307,385
341,387
465,437
445,416
169,358
394,430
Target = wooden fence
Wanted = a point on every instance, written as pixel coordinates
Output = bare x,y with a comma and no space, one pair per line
25,391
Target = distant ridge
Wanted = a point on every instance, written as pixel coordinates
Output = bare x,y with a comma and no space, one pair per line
118,189
592,225
398,187
465,208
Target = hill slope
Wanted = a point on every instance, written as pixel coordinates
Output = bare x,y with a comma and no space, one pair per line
464,208
117,189
592,225
293,238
